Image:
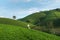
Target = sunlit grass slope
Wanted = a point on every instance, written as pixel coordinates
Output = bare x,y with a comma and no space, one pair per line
10,32
8,21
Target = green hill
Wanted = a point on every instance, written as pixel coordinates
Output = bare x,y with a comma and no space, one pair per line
46,20
43,16
8,21
10,32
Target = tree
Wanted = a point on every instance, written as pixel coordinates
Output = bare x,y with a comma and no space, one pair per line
58,9
14,17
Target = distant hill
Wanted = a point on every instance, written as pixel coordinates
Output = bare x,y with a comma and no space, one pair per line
12,32
47,20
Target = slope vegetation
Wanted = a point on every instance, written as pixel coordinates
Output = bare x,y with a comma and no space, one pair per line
10,32
8,21
46,21
41,17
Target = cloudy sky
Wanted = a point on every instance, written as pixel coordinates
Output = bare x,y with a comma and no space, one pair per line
22,8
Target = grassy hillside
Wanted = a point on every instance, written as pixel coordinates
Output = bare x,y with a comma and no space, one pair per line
40,17
8,21
46,20
10,32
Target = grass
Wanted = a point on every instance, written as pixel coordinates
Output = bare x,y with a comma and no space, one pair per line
10,32
8,21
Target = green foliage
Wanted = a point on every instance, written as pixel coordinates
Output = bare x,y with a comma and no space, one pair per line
57,22
10,32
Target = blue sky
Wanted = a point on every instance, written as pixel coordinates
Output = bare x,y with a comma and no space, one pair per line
22,8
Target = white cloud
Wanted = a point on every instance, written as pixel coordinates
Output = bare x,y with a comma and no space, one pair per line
23,12
2,17
32,10
26,11
17,1
50,4
14,1
27,0
56,1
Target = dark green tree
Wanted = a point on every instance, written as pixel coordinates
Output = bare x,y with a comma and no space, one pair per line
14,17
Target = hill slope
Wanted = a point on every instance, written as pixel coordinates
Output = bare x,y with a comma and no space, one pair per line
40,17
8,21
10,32
46,20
